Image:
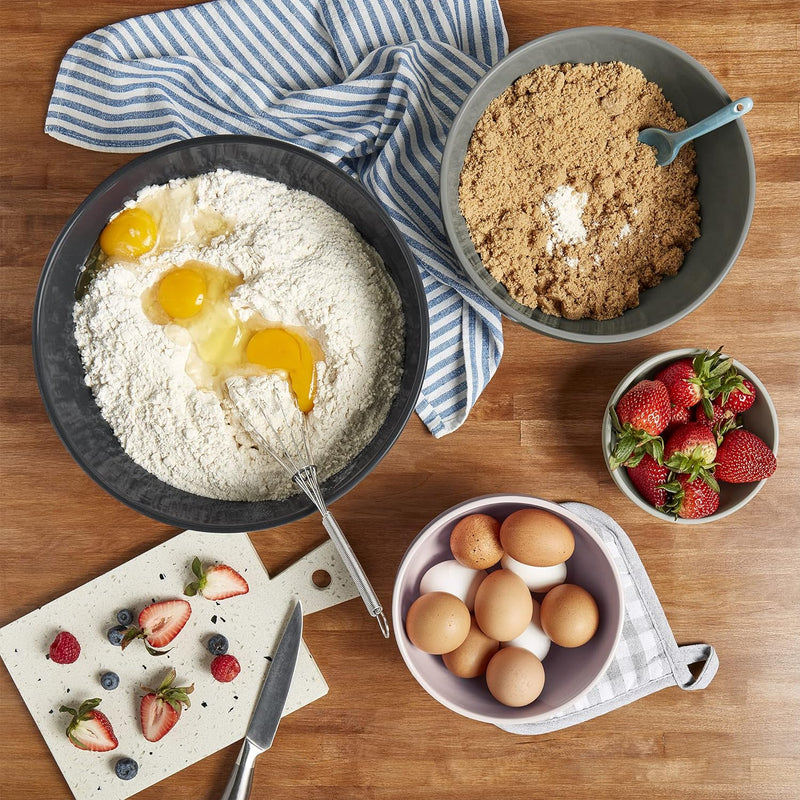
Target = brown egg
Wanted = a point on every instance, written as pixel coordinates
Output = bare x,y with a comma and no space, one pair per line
569,615
536,537
475,541
503,605
515,676
470,658
437,622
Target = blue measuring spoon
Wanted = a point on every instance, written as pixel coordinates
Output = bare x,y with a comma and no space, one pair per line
667,144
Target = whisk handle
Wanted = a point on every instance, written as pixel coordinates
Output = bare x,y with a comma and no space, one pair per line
356,571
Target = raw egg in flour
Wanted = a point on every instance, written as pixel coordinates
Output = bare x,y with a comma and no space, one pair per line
131,234
196,297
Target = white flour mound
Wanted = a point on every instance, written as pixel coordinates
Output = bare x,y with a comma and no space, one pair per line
303,264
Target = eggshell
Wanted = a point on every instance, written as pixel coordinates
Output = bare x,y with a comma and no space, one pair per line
537,579
533,638
437,622
536,537
515,676
475,541
569,615
503,605
470,658
450,576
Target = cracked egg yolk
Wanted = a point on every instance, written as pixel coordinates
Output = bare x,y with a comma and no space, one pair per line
196,297
132,233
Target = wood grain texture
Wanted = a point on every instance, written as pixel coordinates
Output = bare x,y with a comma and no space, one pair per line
377,734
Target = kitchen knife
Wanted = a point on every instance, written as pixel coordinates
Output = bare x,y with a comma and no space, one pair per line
269,708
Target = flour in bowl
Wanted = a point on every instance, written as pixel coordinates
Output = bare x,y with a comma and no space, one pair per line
296,263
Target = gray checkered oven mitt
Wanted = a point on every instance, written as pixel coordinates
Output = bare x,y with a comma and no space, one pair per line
647,658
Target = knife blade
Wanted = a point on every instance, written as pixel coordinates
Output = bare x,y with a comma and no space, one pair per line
269,708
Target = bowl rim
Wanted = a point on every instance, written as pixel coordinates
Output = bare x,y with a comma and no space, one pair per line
475,505
452,223
404,411
638,373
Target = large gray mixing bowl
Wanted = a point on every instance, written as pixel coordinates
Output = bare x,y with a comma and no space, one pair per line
725,167
60,373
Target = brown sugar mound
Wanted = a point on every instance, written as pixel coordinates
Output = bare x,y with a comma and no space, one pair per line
565,207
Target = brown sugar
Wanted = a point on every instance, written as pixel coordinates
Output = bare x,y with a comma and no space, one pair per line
565,207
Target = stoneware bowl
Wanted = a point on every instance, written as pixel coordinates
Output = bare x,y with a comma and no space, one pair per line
760,419
58,366
725,167
569,673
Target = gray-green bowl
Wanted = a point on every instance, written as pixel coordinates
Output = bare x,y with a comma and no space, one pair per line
760,419
725,167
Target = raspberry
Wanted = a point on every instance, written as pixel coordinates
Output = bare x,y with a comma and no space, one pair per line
65,648
225,668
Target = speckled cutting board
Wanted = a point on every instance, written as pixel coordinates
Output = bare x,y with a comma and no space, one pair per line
220,712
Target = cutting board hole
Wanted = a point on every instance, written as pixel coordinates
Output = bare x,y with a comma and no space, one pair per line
321,579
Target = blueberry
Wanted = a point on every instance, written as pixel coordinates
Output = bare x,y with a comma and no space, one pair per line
126,768
217,645
115,634
125,617
109,680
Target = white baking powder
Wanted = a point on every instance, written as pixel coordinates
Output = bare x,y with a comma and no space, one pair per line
303,264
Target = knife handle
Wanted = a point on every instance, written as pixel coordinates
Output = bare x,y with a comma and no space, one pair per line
241,779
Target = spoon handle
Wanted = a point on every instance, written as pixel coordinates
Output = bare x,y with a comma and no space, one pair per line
728,113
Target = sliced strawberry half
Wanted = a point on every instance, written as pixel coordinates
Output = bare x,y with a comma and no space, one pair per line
161,708
90,729
159,624
217,582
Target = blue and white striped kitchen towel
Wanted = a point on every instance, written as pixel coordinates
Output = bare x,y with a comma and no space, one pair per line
371,86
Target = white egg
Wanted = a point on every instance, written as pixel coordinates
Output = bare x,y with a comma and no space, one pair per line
533,638
537,579
452,577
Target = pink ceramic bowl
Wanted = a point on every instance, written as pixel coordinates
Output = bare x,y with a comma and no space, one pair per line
569,673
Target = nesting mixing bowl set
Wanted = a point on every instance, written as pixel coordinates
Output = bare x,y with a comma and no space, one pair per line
725,191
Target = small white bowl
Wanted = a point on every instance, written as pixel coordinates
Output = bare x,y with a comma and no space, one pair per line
761,419
569,672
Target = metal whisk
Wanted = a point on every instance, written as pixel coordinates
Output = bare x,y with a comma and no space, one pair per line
292,451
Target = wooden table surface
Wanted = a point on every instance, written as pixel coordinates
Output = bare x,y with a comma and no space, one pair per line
377,734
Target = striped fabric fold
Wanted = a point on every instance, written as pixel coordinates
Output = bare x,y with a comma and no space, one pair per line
372,87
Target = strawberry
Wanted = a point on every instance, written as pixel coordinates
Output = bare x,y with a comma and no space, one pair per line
161,708
678,415
700,380
65,648
218,582
225,668
691,449
744,457
682,384
648,476
739,400
159,624
89,728
721,421
690,498
642,413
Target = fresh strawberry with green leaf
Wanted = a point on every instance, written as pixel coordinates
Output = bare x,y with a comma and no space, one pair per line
217,582
720,423
700,379
642,413
691,449
648,476
158,625
90,728
744,457
739,400
161,708
690,498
